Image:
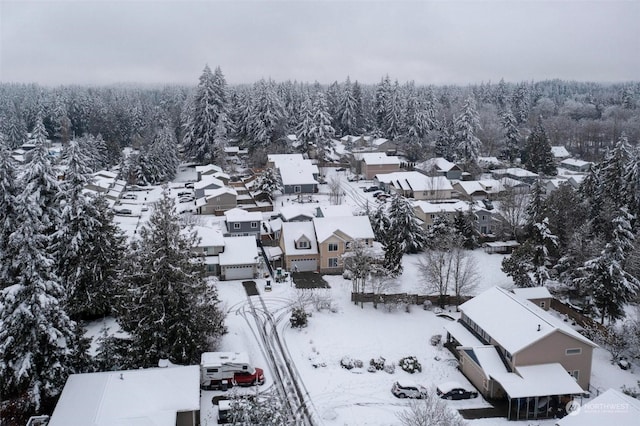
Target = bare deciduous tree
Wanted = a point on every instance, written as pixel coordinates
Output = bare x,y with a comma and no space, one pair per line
435,268
357,262
335,191
430,411
465,273
512,207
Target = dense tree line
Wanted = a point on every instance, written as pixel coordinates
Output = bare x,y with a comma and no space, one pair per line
459,123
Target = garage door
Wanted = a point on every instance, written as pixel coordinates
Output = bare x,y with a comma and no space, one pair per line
304,265
238,272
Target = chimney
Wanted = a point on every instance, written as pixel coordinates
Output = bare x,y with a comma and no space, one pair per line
538,327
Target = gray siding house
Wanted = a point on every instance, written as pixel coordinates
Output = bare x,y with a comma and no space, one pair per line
242,223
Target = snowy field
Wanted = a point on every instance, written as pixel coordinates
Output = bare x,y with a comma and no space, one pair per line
339,396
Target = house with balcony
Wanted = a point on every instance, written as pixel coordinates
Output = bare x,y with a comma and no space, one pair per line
335,235
511,348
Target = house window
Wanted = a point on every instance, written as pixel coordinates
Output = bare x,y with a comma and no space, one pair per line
432,216
333,262
254,225
333,246
205,249
303,244
485,384
508,355
543,305
236,226
297,189
575,374
573,351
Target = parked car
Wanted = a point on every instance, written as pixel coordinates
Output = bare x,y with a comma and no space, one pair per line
129,197
186,199
353,178
188,185
183,193
341,169
372,189
245,378
382,196
408,389
455,390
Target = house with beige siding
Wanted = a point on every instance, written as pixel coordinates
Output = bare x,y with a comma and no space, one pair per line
509,347
373,163
217,201
299,246
415,185
335,235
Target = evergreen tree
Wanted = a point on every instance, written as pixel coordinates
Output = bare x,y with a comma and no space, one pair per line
466,124
266,115
209,110
537,156
464,223
268,182
321,132
445,146
394,120
348,110
379,223
305,127
88,245
511,138
404,228
520,103
610,284
381,107
15,132
167,306
8,210
40,345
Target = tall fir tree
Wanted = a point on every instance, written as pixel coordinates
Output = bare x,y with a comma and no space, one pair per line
8,208
511,136
166,305
404,227
537,156
465,126
321,131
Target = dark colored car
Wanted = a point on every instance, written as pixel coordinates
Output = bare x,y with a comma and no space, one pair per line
341,169
372,189
454,390
408,389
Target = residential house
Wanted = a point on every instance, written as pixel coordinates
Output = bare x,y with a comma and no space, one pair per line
440,167
576,180
611,407
299,246
539,296
151,396
207,170
384,145
209,246
510,348
550,185
470,190
559,153
339,210
240,258
373,163
207,182
297,174
335,236
427,211
297,213
242,223
575,165
415,185
515,173
217,201
485,220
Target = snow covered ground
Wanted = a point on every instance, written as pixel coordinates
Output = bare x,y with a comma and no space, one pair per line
339,396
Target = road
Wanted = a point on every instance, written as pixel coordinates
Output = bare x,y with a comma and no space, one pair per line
287,381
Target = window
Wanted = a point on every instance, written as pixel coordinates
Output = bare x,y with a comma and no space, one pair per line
508,355
297,189
543,305
333,246
303,244
573,351
236,226
333,262
575,374
254,225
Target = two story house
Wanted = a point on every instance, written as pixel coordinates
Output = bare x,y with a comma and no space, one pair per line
373,163
440,167
242,223
415,185
297,174
240,258
509,347
335,236
217,201
299,246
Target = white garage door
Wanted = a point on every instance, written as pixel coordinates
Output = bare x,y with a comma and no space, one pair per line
238,272
304,265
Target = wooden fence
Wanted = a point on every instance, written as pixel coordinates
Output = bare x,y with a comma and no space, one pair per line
580,319
412,299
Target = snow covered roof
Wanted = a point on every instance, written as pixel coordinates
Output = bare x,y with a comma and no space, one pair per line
378,158
219,358
211,193
512,321
339,210
209,236
356,227
488,358
611,407
428,207
415,181
437,163
379,141
128,398
538,380
294,210
239,251
471,186
106,173
293,231
461,334
560,152
529,293
209,168
575,162
492,186
208,180
514,171
240,215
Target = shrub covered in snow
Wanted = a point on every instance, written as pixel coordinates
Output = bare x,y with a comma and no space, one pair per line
372,369
377,363
410,364
346,362
390,367
298,318
357,363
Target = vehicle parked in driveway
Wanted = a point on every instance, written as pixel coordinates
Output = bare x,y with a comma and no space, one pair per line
222,370
354,178
129,197
408,389
372,189
341,169
455,390
184,193
186,199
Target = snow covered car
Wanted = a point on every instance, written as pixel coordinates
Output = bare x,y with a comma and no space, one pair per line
186,199
408,389
455,390
129,197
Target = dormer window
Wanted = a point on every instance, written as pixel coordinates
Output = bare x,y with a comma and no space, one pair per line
303,244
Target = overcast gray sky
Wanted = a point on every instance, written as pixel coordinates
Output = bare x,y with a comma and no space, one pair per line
432,42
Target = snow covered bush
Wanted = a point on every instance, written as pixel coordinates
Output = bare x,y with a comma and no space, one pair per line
389,367
346,362
372,369
357,363
298,317
377,363
410,364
